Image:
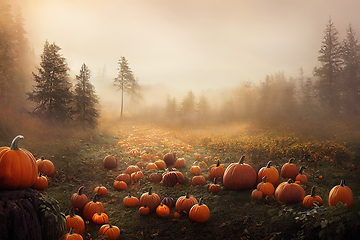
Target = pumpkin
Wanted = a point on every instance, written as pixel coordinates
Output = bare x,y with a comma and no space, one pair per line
46,167
271,173
151,166
146,157
168,201
289,170
289,192
76,222
110,231
257,195
180,163
124,177
71,235
155,177
198,155
199,212
217,171
198,180
312,199
120,185
195,170
150,199
162,210
78,199
160,164
92,207
170,179
18,168
267,188
341,193
41,183
144,211
131,201
110,162
101,190
131,169
100,218
136,175
214,187
141,165
184,203
177,215
239,176
169,159
301,177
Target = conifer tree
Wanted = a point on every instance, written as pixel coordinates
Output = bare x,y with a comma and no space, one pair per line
85,98
52,92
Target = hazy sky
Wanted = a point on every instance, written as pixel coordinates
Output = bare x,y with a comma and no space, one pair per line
192,44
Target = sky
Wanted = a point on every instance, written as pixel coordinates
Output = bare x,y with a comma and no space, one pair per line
188,44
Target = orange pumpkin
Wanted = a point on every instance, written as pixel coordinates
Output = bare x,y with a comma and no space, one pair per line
101,190
301,177
18,168
239,176
71,235
124,177
41,183
155,177
341,193
184,203
46,167
150,199
195,170
92,207
180,163
137,175
144,211
131,169
198,180
110,162
169,159
100,218
271,173
162,210
214,187
172,178
110,231
312,199
160,164
151,166
217,171
76,222
120,185
131,201
267,188
199,212
78,199
146,157
289,192
257,195
289,170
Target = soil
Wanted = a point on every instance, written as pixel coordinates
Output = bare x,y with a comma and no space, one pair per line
234,214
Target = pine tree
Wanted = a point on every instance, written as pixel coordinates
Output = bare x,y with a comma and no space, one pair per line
85,98
170,111
351,72
125,81
52,92
329,73
188,108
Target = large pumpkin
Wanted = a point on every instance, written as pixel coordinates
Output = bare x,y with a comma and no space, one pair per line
271,173
341,193
169,159
78,199
289,192
170,179
110,162
18,168
92,207
76,222
184,203
199,212
112,232
150,199
239,176
217,171
289,170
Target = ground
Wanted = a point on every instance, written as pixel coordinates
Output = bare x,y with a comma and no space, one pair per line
234,214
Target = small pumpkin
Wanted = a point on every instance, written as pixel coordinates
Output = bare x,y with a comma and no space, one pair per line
301,177
162,210
289,192
199,213
341,193
124,177
101,190
71,235
18,168
169,159
41,183
214,187
180,163
239,176
78,199
151,166
312,199
150,199
168,201
217,171
144,211
198,180
141,165
160,164
271,173
46,167
131,169
146,157
110,162
289,170
100,218
110,231
136,175
155,177
195,170
267,188
257,195
76,222
131,201
120,185
92,207
184,203
172,178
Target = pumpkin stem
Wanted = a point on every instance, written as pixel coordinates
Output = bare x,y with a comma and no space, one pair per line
301,170
71,231
218,163
187,195
241,161
342,183
291,160
313,191
42,158
80,190
290,181
14,143
264,179
95,198
150,189
268,164
200,201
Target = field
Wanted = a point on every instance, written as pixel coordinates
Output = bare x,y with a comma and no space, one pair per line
78,159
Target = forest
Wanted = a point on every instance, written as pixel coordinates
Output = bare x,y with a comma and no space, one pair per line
309,121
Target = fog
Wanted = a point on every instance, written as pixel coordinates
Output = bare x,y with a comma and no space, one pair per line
173,47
